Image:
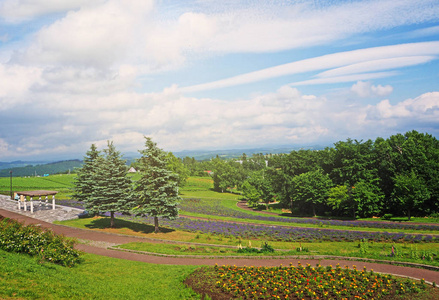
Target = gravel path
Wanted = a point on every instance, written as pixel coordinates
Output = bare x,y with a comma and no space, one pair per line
99,240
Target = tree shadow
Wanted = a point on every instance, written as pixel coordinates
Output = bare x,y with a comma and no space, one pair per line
104,223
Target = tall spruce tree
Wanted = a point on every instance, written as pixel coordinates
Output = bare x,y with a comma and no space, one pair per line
157,189
112,191
84,182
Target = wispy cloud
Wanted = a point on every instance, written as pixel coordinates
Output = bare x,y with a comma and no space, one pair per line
363,60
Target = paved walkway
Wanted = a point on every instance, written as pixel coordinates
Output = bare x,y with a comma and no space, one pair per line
41,211
113,239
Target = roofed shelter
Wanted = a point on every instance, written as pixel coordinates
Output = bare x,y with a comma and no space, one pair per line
32,194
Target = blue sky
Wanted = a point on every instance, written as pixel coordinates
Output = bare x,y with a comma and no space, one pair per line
213,74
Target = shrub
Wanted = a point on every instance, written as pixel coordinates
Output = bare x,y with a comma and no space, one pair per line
35,241
387,217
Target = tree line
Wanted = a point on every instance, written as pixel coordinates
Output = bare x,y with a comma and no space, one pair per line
103,184
398,175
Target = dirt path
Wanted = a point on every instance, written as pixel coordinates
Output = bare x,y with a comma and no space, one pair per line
428,275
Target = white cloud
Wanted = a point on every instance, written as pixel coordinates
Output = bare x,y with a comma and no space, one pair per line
178,122
377,65
15,82
331,61
424,108
366,89
99,36
20,10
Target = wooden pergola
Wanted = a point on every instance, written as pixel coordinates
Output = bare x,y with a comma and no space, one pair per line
32,194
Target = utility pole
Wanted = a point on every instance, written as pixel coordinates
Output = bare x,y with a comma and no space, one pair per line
10,174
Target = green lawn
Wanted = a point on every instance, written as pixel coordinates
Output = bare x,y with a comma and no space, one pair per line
62,183
98,277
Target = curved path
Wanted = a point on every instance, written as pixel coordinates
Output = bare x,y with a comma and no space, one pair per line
428,275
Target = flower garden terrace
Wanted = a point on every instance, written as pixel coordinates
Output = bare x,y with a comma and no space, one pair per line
288,234
216,208
240,226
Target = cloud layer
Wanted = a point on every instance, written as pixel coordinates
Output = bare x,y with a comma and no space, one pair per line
74,73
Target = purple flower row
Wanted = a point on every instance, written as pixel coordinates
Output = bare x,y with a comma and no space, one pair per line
282,233
215,208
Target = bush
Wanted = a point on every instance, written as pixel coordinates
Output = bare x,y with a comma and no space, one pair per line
387,217
265,248
35,241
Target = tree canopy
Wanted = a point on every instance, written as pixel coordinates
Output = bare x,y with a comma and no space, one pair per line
157,189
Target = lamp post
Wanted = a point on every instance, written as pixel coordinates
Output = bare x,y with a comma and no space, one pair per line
10,173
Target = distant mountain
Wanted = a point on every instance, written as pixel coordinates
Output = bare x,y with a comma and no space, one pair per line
41,169
234,153
30,168
19,163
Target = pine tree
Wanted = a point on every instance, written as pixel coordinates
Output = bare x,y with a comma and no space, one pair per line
157,189
84,182
112,190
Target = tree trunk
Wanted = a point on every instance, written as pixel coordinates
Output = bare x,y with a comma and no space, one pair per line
314,210
408,214
112,219
156,225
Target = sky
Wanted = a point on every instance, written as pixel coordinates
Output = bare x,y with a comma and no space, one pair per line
208,75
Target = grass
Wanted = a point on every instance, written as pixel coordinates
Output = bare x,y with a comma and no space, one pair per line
62,183
98,277
180,249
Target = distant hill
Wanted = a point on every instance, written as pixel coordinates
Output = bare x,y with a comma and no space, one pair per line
19,163
234,153
41,169
30,168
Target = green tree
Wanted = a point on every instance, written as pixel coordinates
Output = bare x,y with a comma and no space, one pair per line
410,192
112,190
250,193
338,197
157,189
84,181
175,165
311,188
366,199
224,175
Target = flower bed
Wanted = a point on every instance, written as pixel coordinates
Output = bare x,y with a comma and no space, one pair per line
282,233
306,282
215,208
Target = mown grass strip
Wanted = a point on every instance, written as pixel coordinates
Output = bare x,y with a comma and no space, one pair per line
98,277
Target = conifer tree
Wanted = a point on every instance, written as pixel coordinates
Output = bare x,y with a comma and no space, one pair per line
112,191
84,182
157,189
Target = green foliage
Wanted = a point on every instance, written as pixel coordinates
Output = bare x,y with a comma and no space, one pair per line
224,174
84,181
367,199
103,183
410,191
32,240
338,197
175,165
265,248
157,190
387,216
250,193
311,187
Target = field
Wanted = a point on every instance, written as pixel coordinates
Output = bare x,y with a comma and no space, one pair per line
61,183
212,225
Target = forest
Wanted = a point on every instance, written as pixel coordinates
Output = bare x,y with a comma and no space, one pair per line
396,176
